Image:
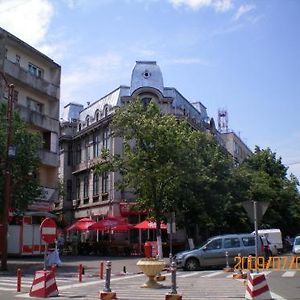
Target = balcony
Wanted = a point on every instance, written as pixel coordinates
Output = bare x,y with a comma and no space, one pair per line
49,158
37,119
14,70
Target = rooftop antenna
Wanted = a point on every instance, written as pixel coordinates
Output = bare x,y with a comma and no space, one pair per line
223,120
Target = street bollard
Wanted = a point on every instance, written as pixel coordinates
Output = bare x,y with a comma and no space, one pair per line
107,294
19,274
107,277
53,269
173,294
227,262
227,268
80,273
101,269
173,278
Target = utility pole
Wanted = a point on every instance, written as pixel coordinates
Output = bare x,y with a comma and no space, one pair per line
7,175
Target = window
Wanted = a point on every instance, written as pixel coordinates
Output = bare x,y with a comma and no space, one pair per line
104,182
78,154
105,111
95,185
231,243
35,71
34,105
248,241
146,101
87,121
96,144
97,115
79,126
86,186
214,244
69,189
105,139
70,155
18,58
15,96
77,188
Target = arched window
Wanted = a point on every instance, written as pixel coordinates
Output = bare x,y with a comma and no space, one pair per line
87,121
97,115
105,111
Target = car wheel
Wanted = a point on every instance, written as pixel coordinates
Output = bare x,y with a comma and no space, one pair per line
192,264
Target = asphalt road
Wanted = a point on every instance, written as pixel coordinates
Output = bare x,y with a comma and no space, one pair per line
209,284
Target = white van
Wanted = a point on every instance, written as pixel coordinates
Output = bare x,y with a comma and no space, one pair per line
274,238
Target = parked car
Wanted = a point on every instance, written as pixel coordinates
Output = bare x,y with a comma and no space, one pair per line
213,252
296,245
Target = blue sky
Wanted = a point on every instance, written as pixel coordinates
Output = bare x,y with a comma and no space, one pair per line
242,56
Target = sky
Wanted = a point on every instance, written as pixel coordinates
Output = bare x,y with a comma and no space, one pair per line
241,56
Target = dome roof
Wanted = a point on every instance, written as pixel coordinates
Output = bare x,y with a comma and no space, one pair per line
146,74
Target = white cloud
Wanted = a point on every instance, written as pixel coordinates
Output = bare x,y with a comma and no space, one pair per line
242,10
27,19
217,5
91,71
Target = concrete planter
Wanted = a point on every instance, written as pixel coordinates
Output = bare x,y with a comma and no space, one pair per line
151,267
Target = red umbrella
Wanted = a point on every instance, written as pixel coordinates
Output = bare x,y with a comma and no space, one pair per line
107,223
123,227
81,225
149,225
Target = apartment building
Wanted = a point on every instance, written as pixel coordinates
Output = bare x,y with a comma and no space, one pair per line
36,79
235,146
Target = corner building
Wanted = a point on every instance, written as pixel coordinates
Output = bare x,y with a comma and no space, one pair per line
36,79
85,132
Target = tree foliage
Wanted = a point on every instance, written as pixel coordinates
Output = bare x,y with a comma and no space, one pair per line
24,167
263,177
170,166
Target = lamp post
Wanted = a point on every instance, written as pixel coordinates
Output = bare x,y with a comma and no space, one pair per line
7,175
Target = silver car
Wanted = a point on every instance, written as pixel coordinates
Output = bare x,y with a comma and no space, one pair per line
213,252
296,245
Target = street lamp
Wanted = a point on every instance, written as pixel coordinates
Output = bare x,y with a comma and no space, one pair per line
7,173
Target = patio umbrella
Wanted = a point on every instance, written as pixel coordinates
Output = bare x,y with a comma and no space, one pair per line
81,225
123,227
149,225
107,223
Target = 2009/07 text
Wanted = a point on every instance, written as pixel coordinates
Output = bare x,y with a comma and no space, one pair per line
276,263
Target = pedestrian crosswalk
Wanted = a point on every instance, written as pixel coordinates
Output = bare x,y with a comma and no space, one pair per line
211,282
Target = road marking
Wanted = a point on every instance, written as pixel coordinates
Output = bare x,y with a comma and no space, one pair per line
289,274
213,274
84,284
277,297
188,275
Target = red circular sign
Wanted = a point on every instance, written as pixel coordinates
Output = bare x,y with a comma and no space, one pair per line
48,230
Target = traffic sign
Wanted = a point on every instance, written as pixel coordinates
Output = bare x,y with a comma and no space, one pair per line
48,230
261,208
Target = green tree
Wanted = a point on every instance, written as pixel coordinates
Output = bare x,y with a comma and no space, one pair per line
263,177
170,166
24,167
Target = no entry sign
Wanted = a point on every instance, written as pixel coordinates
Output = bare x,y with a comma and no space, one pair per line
48,230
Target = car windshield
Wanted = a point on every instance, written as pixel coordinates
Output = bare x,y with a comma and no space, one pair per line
297,241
